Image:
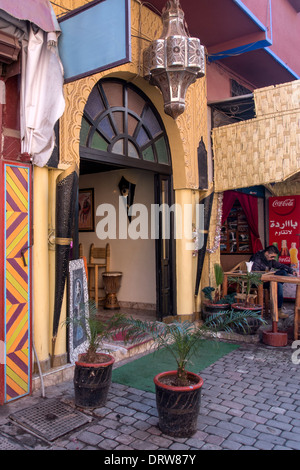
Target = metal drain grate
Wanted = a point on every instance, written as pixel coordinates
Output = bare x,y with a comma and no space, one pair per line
50,419
6,444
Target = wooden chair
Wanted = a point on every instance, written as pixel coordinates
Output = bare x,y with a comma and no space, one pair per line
241,289
99,259
239,267
241,296
80,250
242,267
80,253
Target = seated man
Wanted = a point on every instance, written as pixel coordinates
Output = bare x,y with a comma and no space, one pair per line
265,260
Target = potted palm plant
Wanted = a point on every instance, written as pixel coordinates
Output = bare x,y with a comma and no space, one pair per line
93,369
178,392
215,303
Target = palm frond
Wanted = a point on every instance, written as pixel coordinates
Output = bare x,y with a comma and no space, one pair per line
96,330
228,321
219,274
179,338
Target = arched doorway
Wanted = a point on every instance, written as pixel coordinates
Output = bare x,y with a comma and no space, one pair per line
121,131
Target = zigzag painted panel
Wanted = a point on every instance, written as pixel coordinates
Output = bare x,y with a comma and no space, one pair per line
17,281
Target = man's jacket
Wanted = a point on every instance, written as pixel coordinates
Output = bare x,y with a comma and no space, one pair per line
260,263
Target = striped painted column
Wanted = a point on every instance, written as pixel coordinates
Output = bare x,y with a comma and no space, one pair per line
17,281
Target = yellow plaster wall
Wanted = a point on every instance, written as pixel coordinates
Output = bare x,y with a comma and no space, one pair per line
41,331
44,267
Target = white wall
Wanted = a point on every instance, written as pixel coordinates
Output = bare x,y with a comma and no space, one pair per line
134,258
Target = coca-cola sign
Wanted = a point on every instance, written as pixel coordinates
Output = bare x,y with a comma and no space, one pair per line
284,206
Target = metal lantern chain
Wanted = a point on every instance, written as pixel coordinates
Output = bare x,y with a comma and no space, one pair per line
174,61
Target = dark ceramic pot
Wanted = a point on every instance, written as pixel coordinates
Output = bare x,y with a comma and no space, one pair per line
210,310
178,407
92,382
252,323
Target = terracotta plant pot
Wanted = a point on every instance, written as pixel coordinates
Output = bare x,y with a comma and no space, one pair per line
178,407
92,382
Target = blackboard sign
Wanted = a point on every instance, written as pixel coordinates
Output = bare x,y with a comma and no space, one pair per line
94,37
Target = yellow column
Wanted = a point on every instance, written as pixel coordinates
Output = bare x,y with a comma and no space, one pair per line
184,253
40,264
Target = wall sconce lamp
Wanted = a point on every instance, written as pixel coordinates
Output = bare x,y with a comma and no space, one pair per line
174,61
127,191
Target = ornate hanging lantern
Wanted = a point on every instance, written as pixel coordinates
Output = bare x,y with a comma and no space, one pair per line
174,61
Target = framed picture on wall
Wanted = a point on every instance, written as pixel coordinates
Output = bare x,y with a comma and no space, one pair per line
86,210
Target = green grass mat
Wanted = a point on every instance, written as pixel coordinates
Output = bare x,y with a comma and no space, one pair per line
140,372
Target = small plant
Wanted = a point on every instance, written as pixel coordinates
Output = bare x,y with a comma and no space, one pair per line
95,329
182,338
227,299
217,297
234,321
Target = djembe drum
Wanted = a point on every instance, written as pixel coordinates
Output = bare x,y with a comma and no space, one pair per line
112,284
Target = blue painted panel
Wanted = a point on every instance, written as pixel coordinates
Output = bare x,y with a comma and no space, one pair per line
253,46
95,38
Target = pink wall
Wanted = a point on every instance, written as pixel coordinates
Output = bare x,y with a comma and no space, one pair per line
285,33
285,28
218,86
218,82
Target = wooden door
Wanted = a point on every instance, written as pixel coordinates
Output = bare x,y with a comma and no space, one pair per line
165,249
15,318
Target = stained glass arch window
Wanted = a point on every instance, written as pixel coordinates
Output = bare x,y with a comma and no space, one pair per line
119,123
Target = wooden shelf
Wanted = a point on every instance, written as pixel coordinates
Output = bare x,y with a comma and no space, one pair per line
235,233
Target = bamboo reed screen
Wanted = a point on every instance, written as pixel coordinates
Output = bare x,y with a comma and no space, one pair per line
265,149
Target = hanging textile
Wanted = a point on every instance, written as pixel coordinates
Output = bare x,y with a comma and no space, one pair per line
250,207
66,190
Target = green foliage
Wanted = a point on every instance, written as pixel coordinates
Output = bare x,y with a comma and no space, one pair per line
219,277
182,338
237,320
96,330
229,299
249,280
207,291
219,274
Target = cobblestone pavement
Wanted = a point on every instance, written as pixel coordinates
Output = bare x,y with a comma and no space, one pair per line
250,400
